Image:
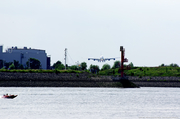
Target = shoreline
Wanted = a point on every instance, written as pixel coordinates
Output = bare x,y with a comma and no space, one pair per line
8,79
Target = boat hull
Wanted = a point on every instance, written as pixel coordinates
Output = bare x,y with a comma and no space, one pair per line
9,96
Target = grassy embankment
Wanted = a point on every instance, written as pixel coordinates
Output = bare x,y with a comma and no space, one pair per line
66,80
146,71
40,71
135,71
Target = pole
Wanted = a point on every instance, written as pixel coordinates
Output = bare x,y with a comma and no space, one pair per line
65,57
122,59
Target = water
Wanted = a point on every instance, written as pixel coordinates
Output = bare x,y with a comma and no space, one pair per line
91,103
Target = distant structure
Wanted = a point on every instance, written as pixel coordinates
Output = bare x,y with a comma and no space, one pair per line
65,57
23,54
122,68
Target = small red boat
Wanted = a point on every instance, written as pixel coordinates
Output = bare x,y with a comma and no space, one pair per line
9,96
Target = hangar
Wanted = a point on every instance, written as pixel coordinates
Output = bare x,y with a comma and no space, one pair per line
23,54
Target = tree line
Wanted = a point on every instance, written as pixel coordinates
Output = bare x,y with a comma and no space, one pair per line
33,63
83,66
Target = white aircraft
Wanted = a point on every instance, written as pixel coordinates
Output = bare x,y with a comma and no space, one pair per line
101,59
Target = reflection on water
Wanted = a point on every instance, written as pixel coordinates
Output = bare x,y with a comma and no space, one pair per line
88,103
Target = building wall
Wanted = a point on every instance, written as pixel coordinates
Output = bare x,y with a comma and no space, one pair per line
48,63
1,61
22,55
1,52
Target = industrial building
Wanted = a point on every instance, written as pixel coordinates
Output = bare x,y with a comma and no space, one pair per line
23,54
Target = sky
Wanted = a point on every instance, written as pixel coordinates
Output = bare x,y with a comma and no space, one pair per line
149,30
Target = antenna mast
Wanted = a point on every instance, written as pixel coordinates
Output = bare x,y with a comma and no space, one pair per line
65,57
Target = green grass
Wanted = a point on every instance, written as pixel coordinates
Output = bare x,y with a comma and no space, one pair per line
154,71
40,71
135,71
146,71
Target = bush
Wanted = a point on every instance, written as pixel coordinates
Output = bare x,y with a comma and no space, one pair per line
3,68
12,66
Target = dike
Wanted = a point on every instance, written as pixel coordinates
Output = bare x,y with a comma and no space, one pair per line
8,79
155,81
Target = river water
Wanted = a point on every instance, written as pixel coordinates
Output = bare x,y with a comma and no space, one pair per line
90,103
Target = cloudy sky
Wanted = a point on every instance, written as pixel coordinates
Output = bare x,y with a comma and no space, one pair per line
149,30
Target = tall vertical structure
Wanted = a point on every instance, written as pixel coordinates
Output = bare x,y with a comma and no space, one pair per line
65,57
122,60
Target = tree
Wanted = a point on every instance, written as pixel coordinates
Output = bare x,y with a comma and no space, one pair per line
116,64
162,65
34,63
16,64
176,65
105,67
7,64
74,67
12,66
131,65
55,65
173,65
60,66
94,68
83,65
21,66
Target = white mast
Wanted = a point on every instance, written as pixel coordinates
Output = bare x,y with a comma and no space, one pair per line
65,57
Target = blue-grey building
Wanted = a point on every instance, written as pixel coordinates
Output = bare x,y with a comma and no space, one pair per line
23,54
